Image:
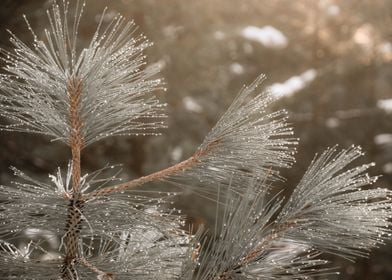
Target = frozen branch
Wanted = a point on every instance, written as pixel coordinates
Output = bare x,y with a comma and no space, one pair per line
250,143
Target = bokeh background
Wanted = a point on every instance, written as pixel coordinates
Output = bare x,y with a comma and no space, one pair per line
328,61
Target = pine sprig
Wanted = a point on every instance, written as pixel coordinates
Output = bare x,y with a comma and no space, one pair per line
331,210
335,210
32,204
249,246
140,253
247,141
116,85
17,263
154,231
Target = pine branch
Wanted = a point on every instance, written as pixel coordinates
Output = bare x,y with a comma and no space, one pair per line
160,175
34,204
140,253
101,275
335,210
249,142
246,141
329,211
250,246
76,140
17,263
30,204
116,84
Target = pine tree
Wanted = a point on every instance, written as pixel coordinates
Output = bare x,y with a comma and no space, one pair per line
111,230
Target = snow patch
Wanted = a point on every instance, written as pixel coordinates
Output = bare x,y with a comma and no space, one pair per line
385,48
191,105
387,168
330,8
333,10
383,139
294,84
364,35
176,154
268,36
237,68
385,104
332,122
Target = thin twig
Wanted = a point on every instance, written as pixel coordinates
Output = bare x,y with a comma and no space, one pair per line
76,204
194,159
74,89
265,243
101,274
144,179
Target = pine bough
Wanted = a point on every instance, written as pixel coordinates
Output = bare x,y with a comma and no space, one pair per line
104,229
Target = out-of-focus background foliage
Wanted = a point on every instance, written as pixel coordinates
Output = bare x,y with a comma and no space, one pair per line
329,61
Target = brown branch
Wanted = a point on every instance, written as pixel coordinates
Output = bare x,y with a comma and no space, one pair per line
103,275
263,245
154,176
266,242
76,141
145,179
75,207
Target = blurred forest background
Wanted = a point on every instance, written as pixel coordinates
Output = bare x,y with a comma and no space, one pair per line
328,61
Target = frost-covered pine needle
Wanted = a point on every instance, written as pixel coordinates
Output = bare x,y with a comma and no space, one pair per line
116,84
16,263
335,210
142,252
248,141
28,204
331,210
155,239
247,246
